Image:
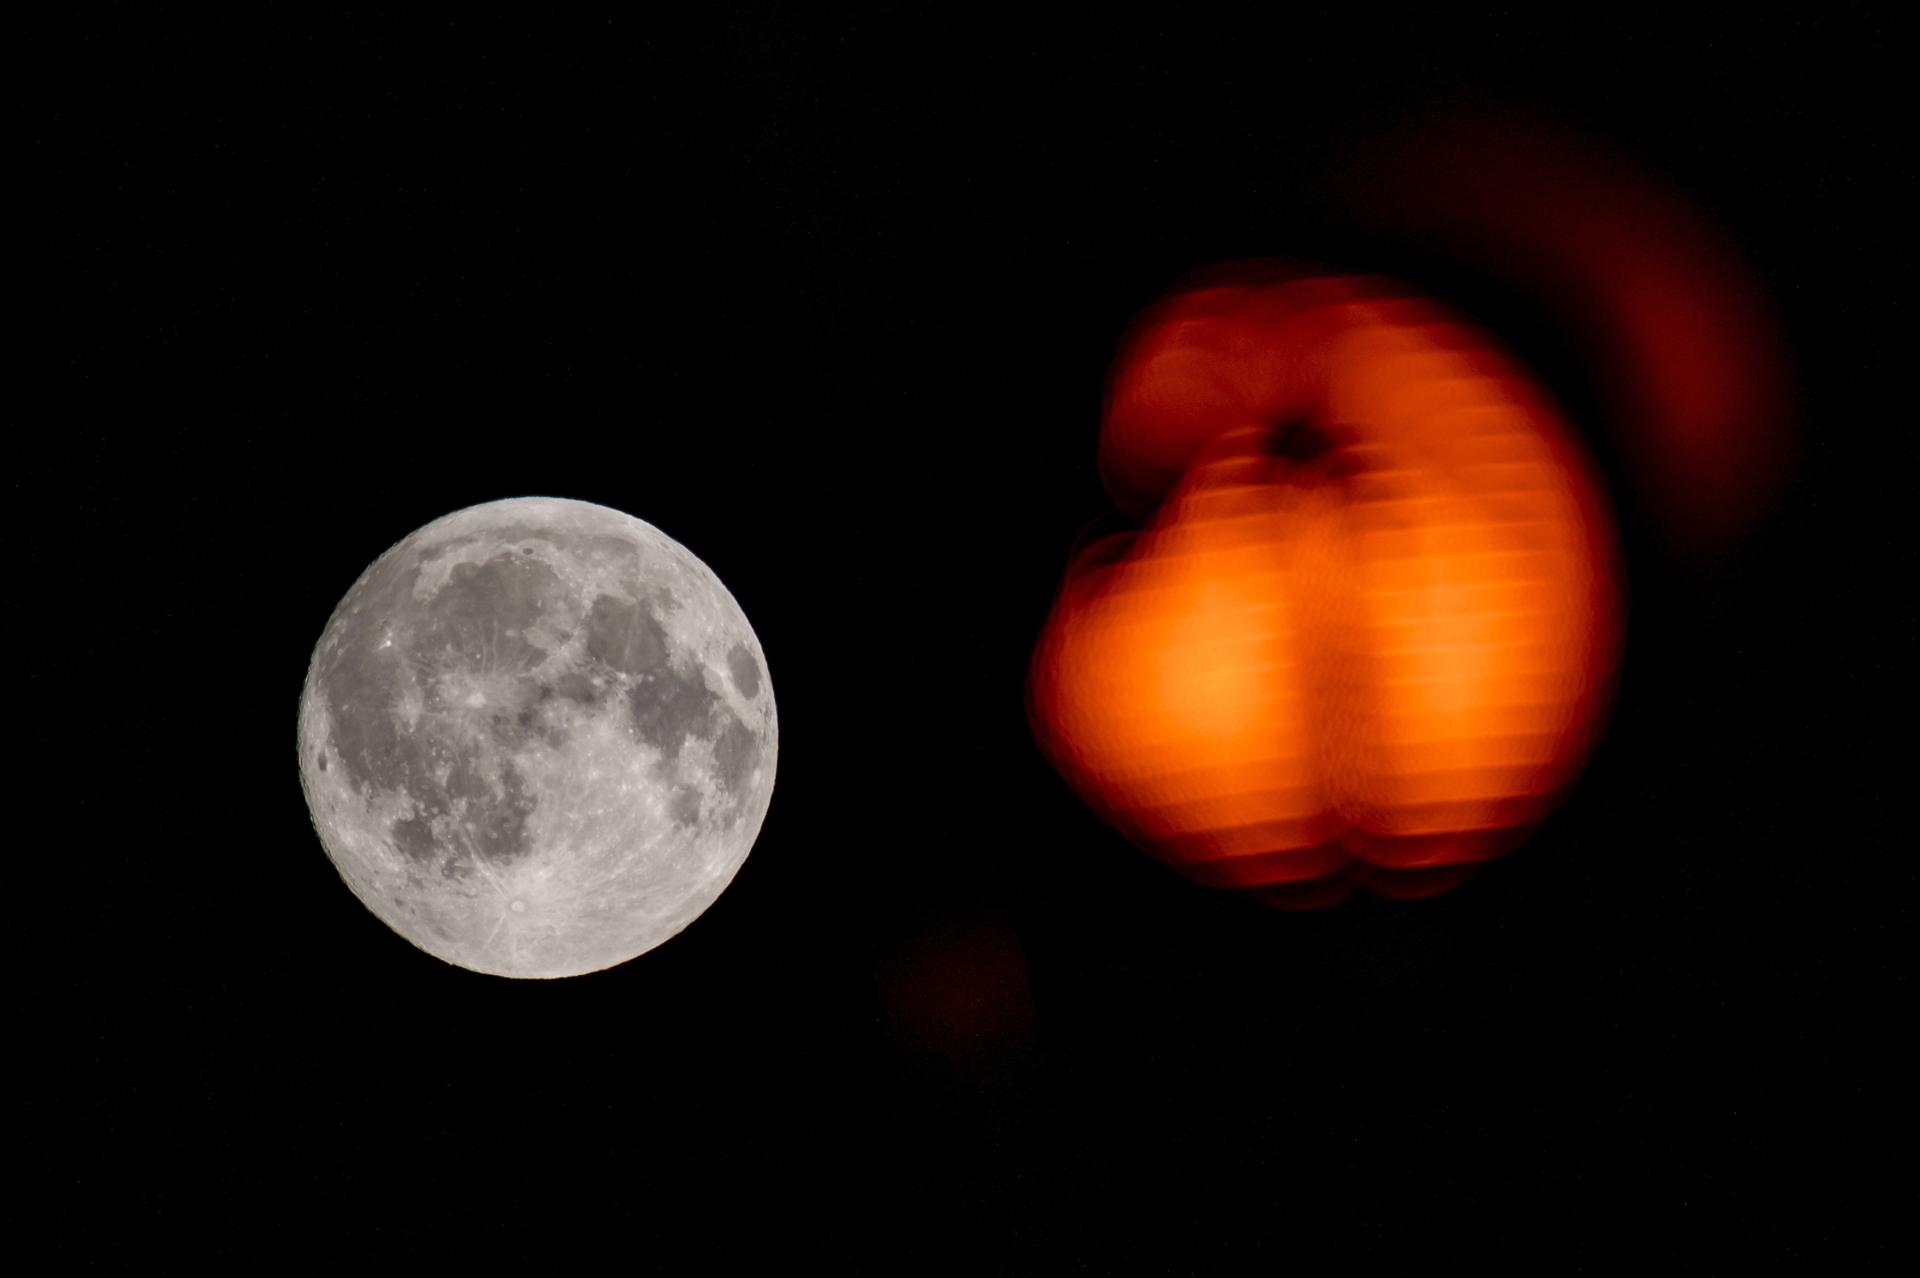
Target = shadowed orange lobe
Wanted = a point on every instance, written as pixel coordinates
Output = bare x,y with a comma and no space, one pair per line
1678,327
1366,632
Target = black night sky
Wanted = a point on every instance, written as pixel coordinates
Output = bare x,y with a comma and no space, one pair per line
831,301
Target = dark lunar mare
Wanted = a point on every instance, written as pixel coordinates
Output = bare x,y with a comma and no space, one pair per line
736,752
670,703
482,613
743,670
392,644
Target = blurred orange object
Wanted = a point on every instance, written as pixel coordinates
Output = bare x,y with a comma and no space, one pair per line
1369,633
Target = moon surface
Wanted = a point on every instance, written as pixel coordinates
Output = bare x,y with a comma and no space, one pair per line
538,737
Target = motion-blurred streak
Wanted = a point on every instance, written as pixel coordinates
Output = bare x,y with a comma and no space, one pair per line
1678,331
1369,632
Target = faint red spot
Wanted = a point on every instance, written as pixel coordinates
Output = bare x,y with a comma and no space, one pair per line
959,991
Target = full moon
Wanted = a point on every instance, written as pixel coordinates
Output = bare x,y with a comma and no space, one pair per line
537,737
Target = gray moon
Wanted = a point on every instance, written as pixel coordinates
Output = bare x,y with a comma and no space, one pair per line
537,737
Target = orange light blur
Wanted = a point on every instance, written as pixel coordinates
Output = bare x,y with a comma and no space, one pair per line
1368,634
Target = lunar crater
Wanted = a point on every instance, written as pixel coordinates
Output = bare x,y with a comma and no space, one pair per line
537,738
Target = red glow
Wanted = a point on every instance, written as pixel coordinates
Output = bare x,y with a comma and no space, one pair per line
1683,336
1366,637
959,992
